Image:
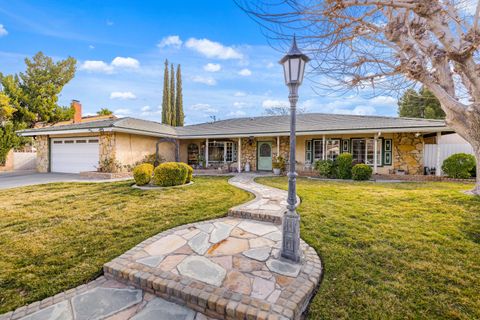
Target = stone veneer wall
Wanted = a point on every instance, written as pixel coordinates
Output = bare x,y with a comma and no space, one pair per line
41,143
107,148
249,152
408,153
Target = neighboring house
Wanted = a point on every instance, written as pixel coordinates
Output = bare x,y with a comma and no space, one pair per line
388,144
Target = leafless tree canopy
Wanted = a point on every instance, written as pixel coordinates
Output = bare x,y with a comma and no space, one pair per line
281,111
388,44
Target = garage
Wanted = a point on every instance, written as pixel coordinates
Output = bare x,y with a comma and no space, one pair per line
74,155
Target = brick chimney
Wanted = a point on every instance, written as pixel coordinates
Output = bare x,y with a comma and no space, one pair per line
77,106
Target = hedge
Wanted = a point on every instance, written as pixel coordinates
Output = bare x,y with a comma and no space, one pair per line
344,166
361,172
143,174
189,171
459,165
170,174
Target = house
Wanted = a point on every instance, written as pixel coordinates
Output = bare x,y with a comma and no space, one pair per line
388,144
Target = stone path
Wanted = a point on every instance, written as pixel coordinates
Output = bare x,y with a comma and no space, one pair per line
269,203
228,268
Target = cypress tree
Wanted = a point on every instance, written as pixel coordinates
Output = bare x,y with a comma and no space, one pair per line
173,114
166,97
179,99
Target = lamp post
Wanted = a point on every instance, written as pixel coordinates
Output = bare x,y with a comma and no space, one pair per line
293,67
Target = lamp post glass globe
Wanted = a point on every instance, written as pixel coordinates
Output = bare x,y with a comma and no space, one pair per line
293,68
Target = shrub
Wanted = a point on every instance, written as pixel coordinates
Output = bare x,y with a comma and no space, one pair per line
344,166
459,165
169,174
361,172
473,172
143,174
326,168
189,170
279,163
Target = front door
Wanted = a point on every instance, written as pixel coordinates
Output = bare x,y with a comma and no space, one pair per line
264,155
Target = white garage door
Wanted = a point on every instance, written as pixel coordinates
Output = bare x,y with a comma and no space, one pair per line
74,155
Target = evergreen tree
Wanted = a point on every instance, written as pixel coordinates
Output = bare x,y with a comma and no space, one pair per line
421,104
173,113
166,97
179,99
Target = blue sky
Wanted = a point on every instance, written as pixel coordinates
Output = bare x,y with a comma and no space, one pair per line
229,69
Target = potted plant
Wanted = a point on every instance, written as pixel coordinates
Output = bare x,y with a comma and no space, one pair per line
278,165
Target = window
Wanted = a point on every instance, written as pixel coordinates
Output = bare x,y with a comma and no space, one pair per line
81,141
222,151
69,141
332,149
93,141
363,151
57,142
308,151
317,149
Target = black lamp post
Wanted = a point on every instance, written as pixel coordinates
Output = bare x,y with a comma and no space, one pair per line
293,67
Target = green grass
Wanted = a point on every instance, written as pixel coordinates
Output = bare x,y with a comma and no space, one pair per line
392,251
57,236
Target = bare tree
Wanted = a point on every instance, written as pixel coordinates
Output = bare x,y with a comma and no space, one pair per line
281,111
388,45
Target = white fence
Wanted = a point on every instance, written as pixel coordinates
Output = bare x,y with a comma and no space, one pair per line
24,160
446,150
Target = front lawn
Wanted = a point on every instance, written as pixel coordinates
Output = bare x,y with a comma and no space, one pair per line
392,251
57,236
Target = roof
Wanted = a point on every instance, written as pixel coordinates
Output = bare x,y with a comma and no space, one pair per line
308,123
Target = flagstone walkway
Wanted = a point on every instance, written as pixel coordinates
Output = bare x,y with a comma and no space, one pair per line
228,268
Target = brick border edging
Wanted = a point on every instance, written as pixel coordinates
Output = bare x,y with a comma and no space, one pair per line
420,178
214,301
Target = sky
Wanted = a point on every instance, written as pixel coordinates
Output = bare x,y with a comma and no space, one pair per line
229,69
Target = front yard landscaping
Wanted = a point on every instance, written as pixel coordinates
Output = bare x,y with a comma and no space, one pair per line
57,236
392,250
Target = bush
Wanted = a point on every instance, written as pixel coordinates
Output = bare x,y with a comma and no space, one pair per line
169,174
326,168
279,163
344,166
459,165
361,172
189,171
143,174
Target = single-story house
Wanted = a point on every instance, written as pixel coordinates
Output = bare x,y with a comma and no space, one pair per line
388,144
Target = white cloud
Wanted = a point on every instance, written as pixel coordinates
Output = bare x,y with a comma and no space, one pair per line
148,111
212,67
3,31
126,95
122,112
245,72
237,113
205,80
204,107
109,23
96,66
212,49
239,105
240,94
128,63
270,65
269,103
363,110
170,41
383,100
91,47
146,108
117,64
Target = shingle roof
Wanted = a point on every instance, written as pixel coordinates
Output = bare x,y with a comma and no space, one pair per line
308,122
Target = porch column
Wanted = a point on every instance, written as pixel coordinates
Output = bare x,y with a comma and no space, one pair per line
206,153
324,149
375,153
239,155
438,169
278,146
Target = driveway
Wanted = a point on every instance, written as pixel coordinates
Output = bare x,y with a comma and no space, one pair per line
27,178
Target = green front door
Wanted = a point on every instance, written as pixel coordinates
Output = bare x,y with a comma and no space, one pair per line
264,155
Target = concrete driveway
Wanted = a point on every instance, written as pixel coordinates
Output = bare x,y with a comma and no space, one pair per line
27,178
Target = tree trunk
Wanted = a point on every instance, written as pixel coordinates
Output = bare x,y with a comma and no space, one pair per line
476,189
